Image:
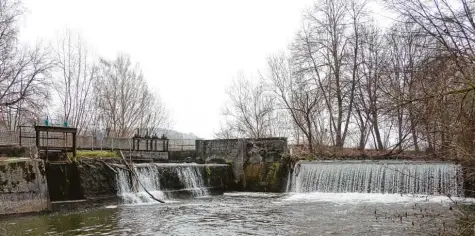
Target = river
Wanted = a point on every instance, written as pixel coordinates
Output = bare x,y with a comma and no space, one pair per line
251,214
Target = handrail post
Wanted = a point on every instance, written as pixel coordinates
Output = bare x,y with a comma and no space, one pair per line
19,136
74,144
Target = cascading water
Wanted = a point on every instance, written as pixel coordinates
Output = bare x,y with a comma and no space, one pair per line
150,177
378,177
289,182
192,178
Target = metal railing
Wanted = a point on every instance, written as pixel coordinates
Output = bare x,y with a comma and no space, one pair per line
85,142
181,144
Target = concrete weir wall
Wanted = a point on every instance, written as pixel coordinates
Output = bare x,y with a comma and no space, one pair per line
93,182
178,180
96,179
83,184
23,186
84,180
30,185
214,176
253,150
257,163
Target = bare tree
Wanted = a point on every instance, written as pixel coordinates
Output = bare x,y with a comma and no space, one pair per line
24,71
297,96
123,99
406,48
447,29
329,49
373,62
155,117
449,23
74,83
251,108
227,131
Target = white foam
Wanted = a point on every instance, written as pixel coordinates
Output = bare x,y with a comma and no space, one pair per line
192,178
148,176
251,194
142,197
358,198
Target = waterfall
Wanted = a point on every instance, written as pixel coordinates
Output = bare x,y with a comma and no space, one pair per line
429,178
159,179
148,176
192,178
289,182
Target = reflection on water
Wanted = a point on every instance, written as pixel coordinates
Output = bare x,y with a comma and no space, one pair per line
243,214
60,224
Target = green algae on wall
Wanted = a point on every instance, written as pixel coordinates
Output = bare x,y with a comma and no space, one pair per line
265,177
13,172
23,186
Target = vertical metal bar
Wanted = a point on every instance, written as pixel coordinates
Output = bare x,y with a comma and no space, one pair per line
37,138
74,144
47,143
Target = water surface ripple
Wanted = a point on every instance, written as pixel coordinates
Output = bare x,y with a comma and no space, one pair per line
248,214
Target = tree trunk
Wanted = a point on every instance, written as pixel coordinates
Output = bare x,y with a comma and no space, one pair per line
376,130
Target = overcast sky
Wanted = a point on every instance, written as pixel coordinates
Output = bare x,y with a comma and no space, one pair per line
189,51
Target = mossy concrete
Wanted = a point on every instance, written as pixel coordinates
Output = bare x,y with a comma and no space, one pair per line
265,177
249,154
15,151
181,156
23,186
96,179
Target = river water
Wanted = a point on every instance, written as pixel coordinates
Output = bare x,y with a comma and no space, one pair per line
251,214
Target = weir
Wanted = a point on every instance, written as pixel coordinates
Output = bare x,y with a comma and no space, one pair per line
166,180
402,177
